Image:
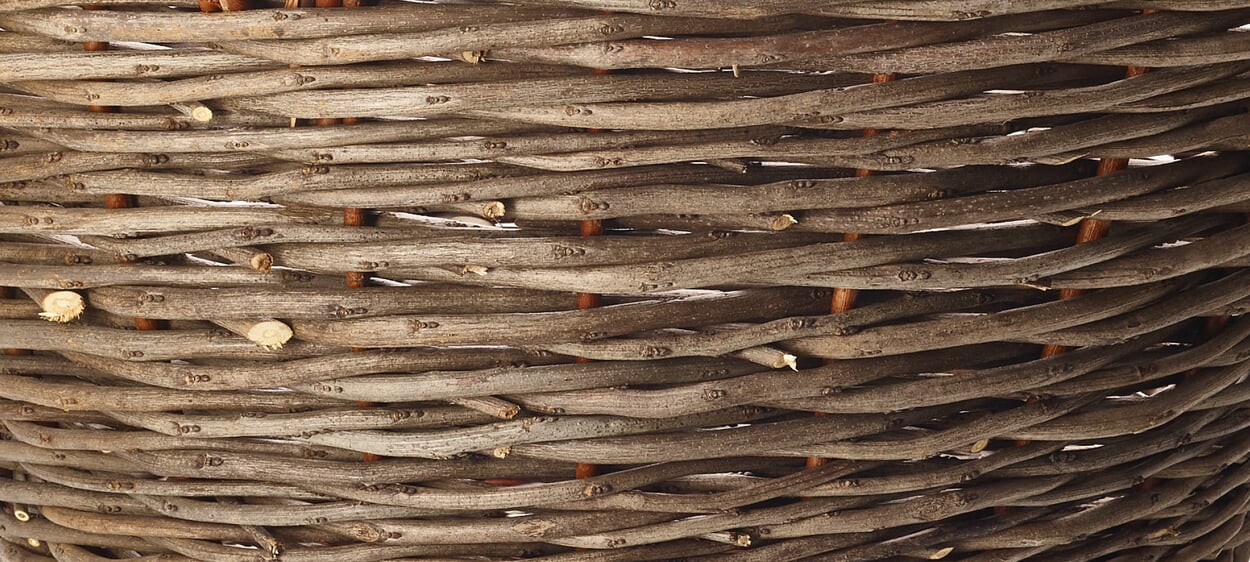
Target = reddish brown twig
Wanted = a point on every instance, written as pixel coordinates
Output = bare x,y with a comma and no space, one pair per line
1090,230
208,6
844,299
118,200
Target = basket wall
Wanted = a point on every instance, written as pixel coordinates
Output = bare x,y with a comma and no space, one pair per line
609,280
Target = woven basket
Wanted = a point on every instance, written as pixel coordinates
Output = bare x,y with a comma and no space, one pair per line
610,280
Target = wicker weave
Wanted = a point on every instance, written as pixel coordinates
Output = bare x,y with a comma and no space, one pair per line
610,280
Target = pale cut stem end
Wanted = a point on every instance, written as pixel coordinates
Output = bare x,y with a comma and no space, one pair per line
270,334
21,514
783,222
194,109
62,306
262,262
489,405
494,211
768,357
941,553
471,57
742,540
733,165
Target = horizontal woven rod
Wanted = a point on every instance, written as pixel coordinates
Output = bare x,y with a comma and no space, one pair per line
803,437
543,329
23,309
20,220
1039,47
1098,518
495,146
1036,103
277,515
1231,342
185,27
537,183
762,266
759,490
815,105
12,451
1181,51
379,94
738,9
792,195
942,10
1192,199
137,525
1043,270
67,396
242,75
476,37
191,463
15,145
183,344
253,425
1222,133
1024,321
249,140
42,530
291,180
539,494
81,480
301,370
135,248
1194,301
49,164
564,252
788,333
946,504
202,550
124,64
21,411
520,529
776,389
89,440
779,389
786,149
19,5
955,10
452,384
322,303
867,519
13,42
1207,253
21,117
447,443
927,148
53,277
989,207
1179,461
51,254
528,384
767,51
